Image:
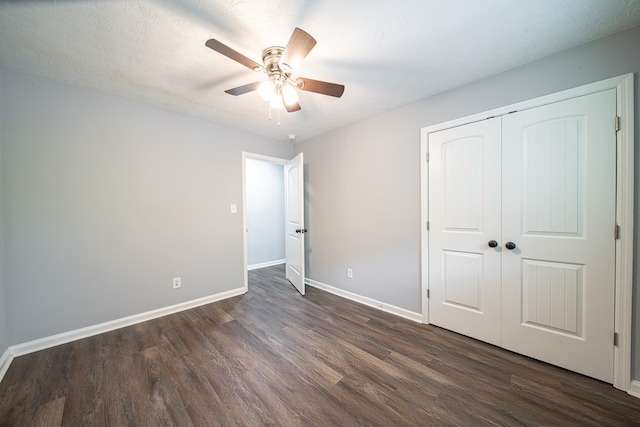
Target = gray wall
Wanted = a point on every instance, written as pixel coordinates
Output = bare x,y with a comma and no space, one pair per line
363,209
363,183
4,328
264,183
105,201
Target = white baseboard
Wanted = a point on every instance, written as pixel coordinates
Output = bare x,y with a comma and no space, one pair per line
410,315
65,337
5,361
266,264
635,389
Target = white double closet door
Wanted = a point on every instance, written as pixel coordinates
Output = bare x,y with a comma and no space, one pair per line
543,183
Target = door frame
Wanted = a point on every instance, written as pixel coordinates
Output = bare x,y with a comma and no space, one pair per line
624,207
245,156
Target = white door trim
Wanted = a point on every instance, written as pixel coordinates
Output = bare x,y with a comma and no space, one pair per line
624,205
245,156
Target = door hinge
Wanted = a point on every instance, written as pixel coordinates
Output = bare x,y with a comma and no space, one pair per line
615,339
617,123
428,295
428,225
426,157
616,232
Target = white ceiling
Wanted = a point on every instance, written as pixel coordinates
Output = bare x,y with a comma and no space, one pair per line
387,53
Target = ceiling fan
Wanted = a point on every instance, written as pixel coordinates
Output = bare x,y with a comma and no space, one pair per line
280,89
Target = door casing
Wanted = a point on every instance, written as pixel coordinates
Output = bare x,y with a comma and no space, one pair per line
624,206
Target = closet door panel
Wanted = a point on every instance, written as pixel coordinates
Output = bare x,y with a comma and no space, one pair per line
558,197
464,215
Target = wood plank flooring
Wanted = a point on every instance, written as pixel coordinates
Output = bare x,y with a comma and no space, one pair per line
273,357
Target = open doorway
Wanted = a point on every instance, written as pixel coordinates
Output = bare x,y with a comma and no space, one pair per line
265,222
264,204
273,215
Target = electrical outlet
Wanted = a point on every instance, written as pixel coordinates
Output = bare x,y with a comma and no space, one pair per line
349,273
177,282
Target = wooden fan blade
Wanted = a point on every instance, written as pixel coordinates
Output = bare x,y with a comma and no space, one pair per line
293,107
298,47
230,53
317,86
240,90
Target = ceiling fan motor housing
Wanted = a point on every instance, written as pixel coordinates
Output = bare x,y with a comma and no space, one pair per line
271,59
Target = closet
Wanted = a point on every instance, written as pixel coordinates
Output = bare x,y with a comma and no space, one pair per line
521,240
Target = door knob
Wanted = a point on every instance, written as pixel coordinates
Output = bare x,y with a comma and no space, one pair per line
510,245
492,244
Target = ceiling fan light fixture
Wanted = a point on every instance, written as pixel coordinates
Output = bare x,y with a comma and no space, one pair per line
276,102
289,95
266,90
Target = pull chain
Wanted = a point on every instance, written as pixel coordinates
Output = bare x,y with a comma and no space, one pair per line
277,115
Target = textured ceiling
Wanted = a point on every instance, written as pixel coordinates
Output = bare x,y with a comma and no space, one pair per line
387,53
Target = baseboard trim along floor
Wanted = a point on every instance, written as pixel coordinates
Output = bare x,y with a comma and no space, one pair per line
266,264
5,362
410,315
65,337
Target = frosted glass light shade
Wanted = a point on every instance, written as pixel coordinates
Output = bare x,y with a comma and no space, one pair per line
266,90
276,102
290,95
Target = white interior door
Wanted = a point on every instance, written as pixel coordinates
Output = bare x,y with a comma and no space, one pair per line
464,215
541,183
559,194
294,218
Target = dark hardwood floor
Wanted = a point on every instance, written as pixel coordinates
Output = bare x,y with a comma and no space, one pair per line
273,357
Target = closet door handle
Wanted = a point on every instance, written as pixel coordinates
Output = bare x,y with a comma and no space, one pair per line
510,245
493,244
